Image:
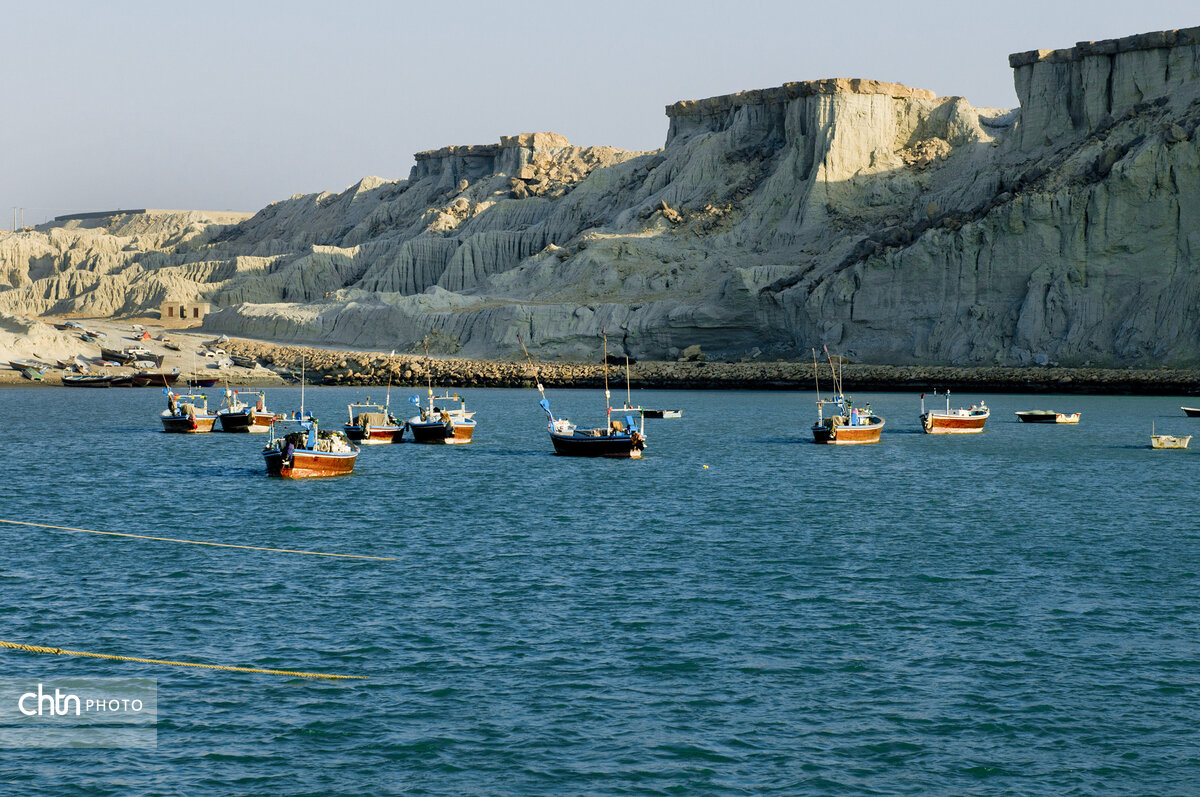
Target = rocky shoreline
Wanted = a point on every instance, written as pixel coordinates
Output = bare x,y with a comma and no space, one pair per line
329,367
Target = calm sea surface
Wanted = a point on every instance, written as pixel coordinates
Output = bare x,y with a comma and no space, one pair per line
1016,612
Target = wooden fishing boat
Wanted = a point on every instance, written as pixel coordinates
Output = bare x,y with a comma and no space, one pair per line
310,453
619,440
440,422
961,420
32,374
845,425
1166,441
86,380
236,414
1047,416
149,378
187,413
25,365
372,424
1191,412
658,413
203,381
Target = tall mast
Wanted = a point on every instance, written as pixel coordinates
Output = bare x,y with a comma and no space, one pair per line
607,395
628,398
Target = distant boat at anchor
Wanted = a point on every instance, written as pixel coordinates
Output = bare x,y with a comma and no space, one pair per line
441,423
1191,412
245,411
962,420
1166,441
846,425
1047,416
309,454
187,413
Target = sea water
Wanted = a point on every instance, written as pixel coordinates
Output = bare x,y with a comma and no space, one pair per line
740,612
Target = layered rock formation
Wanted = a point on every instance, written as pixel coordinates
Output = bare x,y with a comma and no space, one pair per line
891,224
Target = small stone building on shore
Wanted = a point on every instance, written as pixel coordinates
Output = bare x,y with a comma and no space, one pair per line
183,314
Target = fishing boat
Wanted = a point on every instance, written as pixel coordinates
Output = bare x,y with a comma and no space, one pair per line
24,365
1166,441
245,411
660,413
372,424
845,425
439,422
1047,416
86,380
310,453
187,413
32,374
203,381
961,420
148,378
1191,412
618,440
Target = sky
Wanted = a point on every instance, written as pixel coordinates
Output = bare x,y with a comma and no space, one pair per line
232,105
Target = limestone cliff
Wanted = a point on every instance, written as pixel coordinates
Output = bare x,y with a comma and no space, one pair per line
891,224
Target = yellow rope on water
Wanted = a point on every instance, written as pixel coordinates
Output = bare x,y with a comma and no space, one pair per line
199,542
61,652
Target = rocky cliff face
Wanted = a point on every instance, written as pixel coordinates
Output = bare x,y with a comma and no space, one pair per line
891,224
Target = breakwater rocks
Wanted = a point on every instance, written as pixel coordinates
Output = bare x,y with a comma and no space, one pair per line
328,367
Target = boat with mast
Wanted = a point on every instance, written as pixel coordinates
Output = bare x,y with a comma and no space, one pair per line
308,453
245,411
187,413
618,440
373,424
845,424
1166,441
962,420
439,422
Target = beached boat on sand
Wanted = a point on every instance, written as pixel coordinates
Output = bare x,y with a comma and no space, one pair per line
961,420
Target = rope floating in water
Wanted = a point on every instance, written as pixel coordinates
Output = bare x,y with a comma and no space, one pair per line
199,542
61,652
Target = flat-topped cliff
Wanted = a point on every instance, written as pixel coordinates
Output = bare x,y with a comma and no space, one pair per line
889,223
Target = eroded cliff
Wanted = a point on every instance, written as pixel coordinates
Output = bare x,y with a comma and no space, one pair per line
891,224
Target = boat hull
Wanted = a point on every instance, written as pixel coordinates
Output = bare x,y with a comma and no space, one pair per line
187,424
86,381
441,433
373,435
847,435
155,379
612,447
309,464
1045,416
1191,412
951,423
1166,442
248,421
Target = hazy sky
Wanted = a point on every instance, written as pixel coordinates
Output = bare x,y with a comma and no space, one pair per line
231,105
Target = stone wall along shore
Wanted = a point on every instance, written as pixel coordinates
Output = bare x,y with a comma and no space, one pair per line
329,367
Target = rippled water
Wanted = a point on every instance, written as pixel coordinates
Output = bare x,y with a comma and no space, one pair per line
1008,613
